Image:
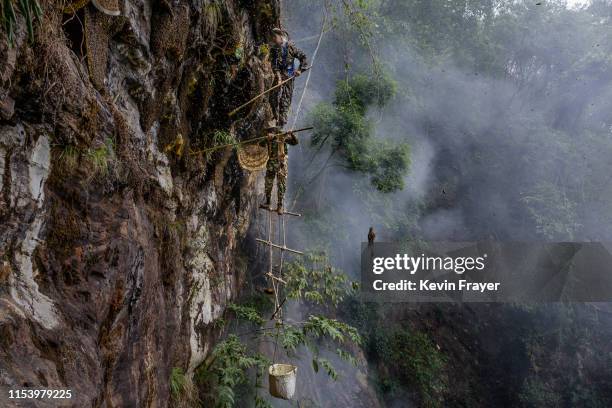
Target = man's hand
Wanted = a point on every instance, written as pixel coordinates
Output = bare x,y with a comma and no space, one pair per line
297,73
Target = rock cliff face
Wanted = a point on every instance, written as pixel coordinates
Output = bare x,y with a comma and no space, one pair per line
118,247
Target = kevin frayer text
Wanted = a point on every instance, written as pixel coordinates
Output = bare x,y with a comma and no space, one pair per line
427,285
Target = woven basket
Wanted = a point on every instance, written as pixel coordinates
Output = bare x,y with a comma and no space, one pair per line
253,157
74,5
110,7
282,379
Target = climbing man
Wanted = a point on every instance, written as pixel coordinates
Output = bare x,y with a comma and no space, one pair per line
277,166
282,56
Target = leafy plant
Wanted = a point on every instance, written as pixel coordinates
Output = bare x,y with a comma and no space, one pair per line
413,359
246,313
226,369
345,128
177,381
181,389
313,279
222,137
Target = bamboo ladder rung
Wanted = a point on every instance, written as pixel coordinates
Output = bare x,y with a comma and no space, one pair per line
282,248
276,278
294,214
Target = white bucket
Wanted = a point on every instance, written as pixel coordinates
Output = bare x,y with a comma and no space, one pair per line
282,380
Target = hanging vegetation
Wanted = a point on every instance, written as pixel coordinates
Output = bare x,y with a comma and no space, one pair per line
29,9
225,371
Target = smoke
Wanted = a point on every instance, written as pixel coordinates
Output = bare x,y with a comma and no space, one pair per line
482,145
519,156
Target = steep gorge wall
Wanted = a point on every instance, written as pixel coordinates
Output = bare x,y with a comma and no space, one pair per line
117,253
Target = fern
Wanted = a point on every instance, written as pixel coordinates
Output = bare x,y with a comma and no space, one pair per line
315,280
182,390
291,338
226,369
320,326
329,368
346,356
247,313
261,403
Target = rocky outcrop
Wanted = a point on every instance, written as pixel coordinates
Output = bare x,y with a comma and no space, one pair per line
118,246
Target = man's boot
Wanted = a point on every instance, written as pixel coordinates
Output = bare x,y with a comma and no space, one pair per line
266,205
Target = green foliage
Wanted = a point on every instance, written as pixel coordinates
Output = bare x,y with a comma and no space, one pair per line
291,338
29,9
263,51
413,359
226,369
392,163
260,402
320,326
361,92
177,381
313,279
247,313
218,138
345,128
100,157
222,137
556,344
181,389
328,367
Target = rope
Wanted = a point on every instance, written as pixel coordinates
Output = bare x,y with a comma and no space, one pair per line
314,56
299,108
282,233
255,139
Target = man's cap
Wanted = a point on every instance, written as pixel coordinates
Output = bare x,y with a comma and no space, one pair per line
279,31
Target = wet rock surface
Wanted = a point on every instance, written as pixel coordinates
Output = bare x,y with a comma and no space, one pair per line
119,248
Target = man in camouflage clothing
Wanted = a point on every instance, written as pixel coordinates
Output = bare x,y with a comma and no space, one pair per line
277,166
282,56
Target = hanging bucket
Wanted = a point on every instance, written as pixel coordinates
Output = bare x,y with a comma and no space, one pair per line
253,157
282,380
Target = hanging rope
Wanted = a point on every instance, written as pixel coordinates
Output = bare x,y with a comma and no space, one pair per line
314,56
299,108
282,234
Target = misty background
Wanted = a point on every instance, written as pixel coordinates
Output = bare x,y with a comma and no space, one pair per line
507,109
